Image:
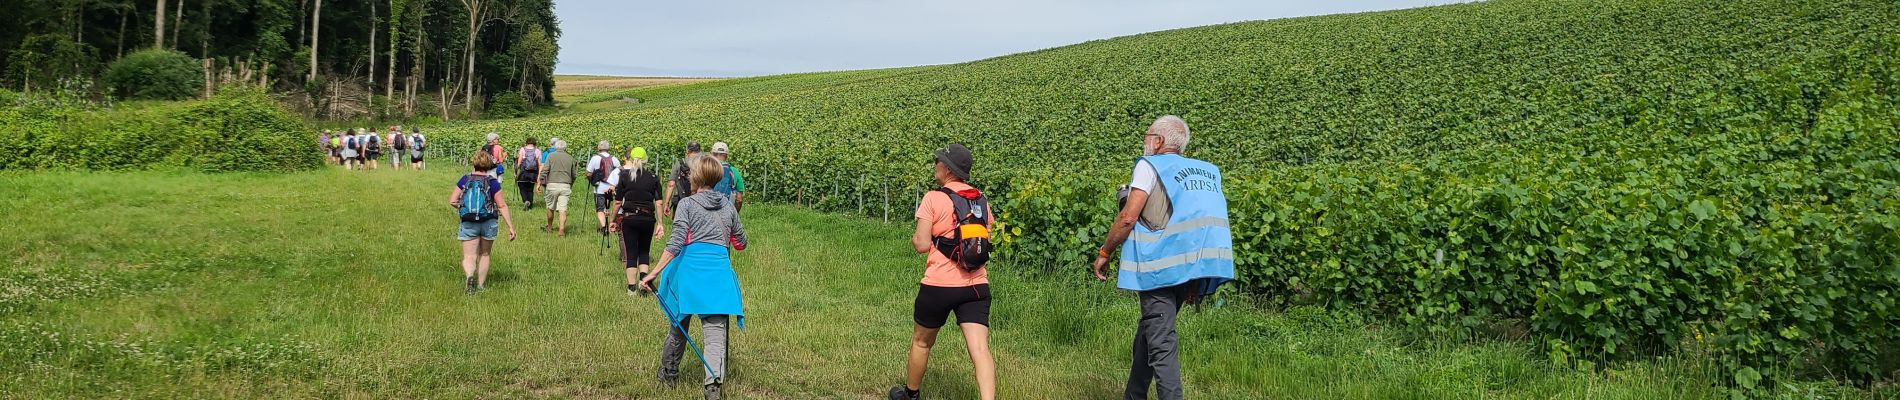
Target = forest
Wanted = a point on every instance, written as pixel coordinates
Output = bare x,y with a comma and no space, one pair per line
328,60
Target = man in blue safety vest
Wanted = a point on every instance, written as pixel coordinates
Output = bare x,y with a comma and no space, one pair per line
1175,246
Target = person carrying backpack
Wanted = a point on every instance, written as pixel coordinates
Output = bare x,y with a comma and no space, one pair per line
557,177
1176,248
696,279
373,145
953,224
400,144
494,150
417,143
477,200
676,185
636,195
731,183
598,167
349,149
528,164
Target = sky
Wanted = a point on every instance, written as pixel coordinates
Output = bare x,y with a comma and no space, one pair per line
734,38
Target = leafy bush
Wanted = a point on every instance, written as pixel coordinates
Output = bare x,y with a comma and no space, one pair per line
508,105
155,74
239,129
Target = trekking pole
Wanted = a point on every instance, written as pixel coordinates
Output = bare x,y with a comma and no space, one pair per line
667,312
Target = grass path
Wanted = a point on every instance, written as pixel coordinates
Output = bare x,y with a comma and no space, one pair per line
331,284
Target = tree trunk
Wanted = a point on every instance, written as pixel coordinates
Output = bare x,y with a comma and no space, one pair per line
371,81
178,21
123,16
316,19
158,33
477,14
395,39
303,24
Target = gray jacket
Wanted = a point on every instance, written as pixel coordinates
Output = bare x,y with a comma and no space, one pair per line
705,217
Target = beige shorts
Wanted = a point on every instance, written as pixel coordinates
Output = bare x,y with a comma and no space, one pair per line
557,196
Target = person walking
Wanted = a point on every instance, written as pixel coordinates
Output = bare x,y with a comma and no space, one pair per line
494,149
598,167
955,281
636,195
557,177
417,143
336,147
323,145
373,145
1175,246
399,144
696,278
349,150
478,200
528,165
731,183
677,185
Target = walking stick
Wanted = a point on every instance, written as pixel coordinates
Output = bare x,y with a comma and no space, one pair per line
666,312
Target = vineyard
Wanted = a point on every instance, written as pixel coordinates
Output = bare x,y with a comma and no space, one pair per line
1620,178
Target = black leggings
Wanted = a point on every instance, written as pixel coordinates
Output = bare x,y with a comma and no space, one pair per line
636,240
527,190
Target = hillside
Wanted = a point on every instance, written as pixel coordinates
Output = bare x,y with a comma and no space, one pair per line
1615,177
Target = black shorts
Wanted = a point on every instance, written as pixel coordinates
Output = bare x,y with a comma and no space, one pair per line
935,303
602,203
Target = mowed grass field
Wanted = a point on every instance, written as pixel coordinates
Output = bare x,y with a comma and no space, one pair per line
336,284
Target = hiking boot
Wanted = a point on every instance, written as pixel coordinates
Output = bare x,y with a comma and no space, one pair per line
900,393
669,381
468,286
712,392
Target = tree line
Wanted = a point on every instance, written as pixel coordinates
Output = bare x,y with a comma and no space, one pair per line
327,59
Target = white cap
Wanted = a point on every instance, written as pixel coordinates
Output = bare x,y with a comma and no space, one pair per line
720,148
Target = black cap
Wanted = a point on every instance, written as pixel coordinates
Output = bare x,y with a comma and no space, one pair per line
692,147
956,158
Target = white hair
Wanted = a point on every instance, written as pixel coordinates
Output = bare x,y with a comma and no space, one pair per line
557,144
493,136
603,146
1173,132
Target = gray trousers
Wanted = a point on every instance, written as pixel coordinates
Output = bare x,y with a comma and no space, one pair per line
714,345
1155,360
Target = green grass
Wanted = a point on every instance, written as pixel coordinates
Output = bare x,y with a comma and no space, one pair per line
332,284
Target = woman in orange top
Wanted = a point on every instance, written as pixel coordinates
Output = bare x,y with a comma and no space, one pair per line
947,287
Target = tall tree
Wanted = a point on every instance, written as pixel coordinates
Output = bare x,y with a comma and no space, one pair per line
477,16
372,48
178,22
158,33
316,18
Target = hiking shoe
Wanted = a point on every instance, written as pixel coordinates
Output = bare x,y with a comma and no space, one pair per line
468,286
900,393
669,381
712,392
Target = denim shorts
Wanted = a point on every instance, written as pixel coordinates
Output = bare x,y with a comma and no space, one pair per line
486,230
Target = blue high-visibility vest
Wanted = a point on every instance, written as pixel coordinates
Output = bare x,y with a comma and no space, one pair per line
1196,246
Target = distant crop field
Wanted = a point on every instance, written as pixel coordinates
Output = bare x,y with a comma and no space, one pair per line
569,87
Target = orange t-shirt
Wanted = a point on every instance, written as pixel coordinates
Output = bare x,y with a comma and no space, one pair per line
938,269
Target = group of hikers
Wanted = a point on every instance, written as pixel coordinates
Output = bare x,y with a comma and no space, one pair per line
1171,233
363,148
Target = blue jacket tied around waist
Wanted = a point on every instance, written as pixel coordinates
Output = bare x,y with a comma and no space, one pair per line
700,281
1196,245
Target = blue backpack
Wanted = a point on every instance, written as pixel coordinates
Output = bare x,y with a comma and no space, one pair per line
477,206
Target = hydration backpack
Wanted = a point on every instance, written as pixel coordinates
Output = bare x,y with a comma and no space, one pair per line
350,142
600,170
531,162
969,243
373,142
416,141
477,205
401,142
